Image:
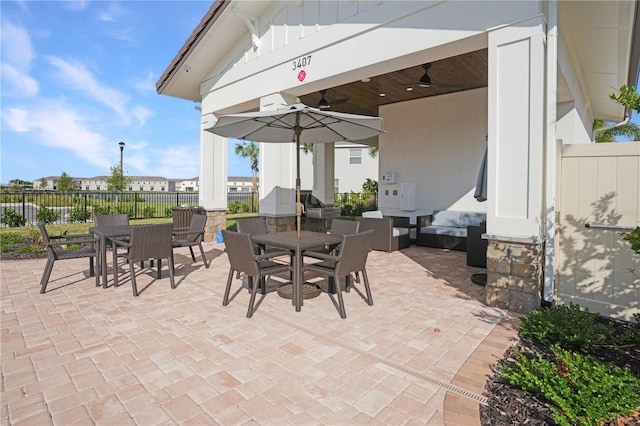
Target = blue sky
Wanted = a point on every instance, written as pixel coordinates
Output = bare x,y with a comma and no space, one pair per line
78,77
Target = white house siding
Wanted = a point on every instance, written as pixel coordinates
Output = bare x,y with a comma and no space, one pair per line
436,143
251,78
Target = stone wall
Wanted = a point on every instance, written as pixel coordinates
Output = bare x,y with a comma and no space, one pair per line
514,275
216,221
281,223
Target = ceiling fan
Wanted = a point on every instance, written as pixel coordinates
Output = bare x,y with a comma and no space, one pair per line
323,103
425,80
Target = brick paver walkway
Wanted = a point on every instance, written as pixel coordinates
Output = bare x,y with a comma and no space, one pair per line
85,355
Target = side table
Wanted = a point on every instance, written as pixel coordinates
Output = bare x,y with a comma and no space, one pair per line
476,246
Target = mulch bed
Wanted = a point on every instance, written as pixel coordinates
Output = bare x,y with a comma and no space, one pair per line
14,253
508,405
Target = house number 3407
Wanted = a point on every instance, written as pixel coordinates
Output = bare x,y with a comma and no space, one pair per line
301,62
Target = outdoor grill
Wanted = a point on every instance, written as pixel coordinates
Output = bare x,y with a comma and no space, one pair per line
315,215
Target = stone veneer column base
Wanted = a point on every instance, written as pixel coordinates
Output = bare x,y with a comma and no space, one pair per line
216,221
514,275
281,223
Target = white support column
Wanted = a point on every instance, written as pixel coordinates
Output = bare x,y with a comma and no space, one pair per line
213,178
277,168
213,168
516,131
324,172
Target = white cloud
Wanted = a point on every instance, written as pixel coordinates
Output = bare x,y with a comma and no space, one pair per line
113,13
16,46
55,126
76,76
145,86
76,6
17,119
17,57
141,114
21,84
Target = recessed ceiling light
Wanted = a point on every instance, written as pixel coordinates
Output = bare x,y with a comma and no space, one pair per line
365,80
382,95
409,89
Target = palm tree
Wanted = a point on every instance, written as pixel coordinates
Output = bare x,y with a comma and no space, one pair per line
628,130
250,150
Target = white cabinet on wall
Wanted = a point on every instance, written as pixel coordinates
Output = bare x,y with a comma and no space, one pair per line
407,196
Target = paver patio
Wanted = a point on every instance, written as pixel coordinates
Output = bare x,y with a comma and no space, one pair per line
85,355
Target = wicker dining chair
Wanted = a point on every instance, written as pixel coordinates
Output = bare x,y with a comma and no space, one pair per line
255,226
243,258
55,251
351,258
192,236
111,220
147,242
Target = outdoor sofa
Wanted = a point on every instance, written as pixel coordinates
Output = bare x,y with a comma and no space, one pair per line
446,228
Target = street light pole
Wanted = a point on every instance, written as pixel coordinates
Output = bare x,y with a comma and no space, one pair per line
121,144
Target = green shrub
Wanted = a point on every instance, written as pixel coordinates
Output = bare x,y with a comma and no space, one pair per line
234,207
31,249
149,212
566,326
8,240
12,218
98,209
47,215
78,214
125,209
168,212
583,390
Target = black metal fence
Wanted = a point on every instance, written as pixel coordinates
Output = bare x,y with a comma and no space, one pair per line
29,207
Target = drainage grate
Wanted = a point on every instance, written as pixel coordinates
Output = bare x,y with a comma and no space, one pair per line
448,386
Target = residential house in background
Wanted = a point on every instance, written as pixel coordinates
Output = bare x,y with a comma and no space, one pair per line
144,183
239,184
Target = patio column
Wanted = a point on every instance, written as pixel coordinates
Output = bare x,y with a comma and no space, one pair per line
213,178
515,222
324,172
278,174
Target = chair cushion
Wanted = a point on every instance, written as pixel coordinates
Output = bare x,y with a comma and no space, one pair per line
400,231
376,214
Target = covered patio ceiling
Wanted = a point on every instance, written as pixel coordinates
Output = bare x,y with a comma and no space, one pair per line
458,73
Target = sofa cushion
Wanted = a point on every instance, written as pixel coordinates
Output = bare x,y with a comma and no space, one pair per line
472,218
446,218
376,214
452,231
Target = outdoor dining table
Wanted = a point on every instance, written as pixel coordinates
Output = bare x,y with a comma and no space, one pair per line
289,240
104,233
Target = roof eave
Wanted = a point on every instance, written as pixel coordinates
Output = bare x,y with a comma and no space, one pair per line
194,39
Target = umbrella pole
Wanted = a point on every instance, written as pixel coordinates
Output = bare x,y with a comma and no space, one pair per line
298,203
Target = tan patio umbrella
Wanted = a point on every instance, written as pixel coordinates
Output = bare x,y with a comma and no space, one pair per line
301,124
